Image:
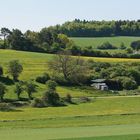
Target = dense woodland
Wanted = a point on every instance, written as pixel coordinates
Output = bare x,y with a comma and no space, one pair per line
83,28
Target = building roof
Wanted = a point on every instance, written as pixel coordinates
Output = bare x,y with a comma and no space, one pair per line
99,84
99,80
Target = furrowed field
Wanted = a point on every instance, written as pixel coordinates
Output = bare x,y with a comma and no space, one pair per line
104,118
94,42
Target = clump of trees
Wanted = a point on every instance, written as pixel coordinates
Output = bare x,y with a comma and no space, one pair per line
136,45
15,69
118,76
84,28
73,70
50,97
53,40
43,79
43,41
107,46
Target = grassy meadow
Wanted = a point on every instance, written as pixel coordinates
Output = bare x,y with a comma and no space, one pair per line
96,41
103,118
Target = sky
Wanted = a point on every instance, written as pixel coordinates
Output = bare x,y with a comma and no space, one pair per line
36,14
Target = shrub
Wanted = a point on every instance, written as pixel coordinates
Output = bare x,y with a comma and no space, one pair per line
30,88
68,98
38,103
2,91
43,79
136,45
15,69
106,46
129,84
1,71
122,46
51,98
5,107
129,50
18,89
84,99
51,85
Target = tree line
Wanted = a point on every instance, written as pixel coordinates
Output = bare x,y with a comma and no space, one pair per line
49,40
84,28
43,41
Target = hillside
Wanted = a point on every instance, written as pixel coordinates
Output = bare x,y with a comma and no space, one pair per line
113,114
35,64
96,41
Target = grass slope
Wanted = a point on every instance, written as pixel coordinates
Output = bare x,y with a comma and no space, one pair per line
105,111
121,137
71,132
35,64
120,116
96,41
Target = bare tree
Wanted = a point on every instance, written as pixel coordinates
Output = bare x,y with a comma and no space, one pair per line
73,68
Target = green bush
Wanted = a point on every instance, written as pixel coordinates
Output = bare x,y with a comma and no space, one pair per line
1,71
2,91
106,46
68,98
38,103
51,85
129,84
84,99
51,98
5,107
43,79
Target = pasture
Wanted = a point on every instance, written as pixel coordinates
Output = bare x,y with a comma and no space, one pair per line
116,132
114,117
96,41
102,118
35,64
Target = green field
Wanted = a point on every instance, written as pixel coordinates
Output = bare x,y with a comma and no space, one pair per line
35,64
102,118
120,137
122,132
96,41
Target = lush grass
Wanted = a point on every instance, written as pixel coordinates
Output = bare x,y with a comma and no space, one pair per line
121,137
99,112
94,42
72,132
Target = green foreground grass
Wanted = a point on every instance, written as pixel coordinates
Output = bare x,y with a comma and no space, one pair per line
105,111
121,137
120,131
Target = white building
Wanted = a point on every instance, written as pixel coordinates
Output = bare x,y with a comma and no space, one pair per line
100,84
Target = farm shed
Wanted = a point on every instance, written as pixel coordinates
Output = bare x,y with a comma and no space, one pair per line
100,84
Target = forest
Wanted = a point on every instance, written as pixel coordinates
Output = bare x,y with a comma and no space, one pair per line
83,28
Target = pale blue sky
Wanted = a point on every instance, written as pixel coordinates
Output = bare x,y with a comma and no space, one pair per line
36,14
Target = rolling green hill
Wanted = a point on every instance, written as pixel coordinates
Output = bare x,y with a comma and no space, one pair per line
94,42
35,64
115,115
